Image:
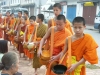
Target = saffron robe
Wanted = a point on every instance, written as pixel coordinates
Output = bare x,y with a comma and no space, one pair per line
1,32
68,25
11,26
20,45
29,33
84,47
27,22
58,44
5,22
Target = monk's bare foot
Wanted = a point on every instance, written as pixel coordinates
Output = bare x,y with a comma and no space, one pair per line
14,48
35,73
30,64
25,57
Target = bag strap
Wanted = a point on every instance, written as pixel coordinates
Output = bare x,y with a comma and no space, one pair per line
52,38
68,52
52,20
52,41
35,35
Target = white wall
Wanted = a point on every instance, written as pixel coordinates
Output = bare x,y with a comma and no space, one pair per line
71,2
65,10
98,8
79,10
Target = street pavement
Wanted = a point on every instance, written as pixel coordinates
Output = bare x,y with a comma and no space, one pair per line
28,70
96,35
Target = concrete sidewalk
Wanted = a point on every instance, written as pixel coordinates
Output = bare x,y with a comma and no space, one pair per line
89,27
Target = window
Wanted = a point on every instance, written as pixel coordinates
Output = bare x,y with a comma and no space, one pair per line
11,1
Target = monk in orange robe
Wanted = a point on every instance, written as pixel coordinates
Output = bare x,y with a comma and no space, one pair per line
27,22
83,48
57,10
18,20
27,18
40,31
1,21
60,34
28,32
20,35
6,23
11,27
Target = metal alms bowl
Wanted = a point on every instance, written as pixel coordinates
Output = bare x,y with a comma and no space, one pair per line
59,69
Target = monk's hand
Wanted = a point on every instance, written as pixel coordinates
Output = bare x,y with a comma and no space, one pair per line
39,52
54,58
36,43
72,68
23,42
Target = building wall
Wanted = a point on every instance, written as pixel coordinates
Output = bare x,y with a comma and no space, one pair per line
14,2
25,2
79,9
98,8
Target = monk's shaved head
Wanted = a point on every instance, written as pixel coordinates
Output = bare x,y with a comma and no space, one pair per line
61,17
79,20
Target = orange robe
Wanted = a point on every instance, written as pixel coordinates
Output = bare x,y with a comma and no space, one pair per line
5,22
29,33
1,32
85,47
59,41
20,45
27,22
18,22
12,23
68,25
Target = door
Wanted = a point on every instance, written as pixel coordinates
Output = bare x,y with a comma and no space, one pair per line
71,12
89,13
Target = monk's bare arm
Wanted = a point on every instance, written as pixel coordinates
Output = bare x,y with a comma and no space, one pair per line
81,62
65,48
49,24
25,33
46,36
74,66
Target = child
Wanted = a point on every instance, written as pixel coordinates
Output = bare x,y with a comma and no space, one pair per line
41,31
83,48
60,34
57,10
27,18
20,34
28,32
11,29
